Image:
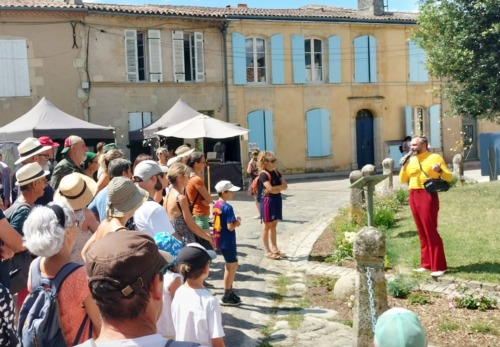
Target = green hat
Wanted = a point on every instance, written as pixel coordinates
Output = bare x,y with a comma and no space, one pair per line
398,327
90,157
108,147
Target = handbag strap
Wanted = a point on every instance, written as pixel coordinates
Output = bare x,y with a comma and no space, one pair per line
423,169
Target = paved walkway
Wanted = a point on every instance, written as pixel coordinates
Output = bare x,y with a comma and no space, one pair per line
307,207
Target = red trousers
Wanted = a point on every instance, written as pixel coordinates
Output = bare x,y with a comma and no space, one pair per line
425,208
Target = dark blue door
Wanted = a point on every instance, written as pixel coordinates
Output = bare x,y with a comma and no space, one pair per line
364,140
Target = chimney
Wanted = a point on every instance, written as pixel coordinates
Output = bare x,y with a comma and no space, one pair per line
243,5
375,7
72,2
228,6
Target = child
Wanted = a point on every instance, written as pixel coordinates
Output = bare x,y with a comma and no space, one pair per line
195,312
225,238
399,327
172,280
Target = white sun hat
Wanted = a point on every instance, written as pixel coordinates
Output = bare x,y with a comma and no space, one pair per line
30,173
29,148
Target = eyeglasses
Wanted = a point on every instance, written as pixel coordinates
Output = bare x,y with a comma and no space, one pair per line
43,155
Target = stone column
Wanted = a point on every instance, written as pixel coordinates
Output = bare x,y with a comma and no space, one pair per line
369,170
369,250
388,167
458,167
357,195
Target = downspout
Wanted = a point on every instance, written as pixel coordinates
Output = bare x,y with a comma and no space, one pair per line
223,31
441,113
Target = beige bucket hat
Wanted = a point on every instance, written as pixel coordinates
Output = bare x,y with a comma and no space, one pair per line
76,190
124,196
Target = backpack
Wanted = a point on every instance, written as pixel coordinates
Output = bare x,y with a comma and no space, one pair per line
39,318
255,183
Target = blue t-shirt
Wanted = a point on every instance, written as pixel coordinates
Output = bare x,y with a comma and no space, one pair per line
47,197
98,205
223,214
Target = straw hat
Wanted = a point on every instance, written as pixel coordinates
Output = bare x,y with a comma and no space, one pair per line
76,190
183,151
124,196
29,148
30,173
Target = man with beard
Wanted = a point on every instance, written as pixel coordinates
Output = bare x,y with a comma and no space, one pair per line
74,151
151,217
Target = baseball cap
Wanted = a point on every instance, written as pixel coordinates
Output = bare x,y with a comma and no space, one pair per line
147,169
47,141
70,141
108,147
167,243
195,255
223,186
399,327
131,263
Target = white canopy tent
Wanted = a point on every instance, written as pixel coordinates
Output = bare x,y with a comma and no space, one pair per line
47,120
179,113
203,126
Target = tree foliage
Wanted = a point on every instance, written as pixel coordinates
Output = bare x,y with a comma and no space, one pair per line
462,41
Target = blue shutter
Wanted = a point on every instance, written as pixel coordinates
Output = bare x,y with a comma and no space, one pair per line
325,133
361,72
277,59
239,64
409,120
256,126
298,59
417,60
373,59
334,61
434,127
423,74
268,127
395,154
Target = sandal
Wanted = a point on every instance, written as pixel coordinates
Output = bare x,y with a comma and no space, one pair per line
279,254
272,256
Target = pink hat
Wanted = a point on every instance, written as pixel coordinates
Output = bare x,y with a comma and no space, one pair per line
47,141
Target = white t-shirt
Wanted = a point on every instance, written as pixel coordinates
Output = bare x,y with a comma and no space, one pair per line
100,171
155,340
196,316
152,219
165,325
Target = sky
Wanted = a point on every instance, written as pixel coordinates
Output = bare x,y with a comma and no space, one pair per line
394,5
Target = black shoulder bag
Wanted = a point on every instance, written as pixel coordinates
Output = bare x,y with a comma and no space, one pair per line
433,185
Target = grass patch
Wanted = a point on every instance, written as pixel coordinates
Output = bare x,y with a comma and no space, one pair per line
281,284
294,320
484,328
302,302
418,299
347,322
265,343
324,281
268,330
468,224
448,325
276,296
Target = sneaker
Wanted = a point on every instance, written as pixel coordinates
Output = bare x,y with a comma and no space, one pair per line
236,296
208,285
231,301
420,270
257,217
438,273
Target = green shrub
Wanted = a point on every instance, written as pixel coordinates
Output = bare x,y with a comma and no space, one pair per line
418,299
343,251
472,301
454,181
383,219
402,196
401,287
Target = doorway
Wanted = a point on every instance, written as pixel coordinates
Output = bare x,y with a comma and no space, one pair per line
364,138
469,129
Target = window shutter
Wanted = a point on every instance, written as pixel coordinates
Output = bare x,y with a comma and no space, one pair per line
269,132
155,66
409,120
256,125
326,148
298,59
146,119
373,59
423,74
134,121
334,59
361,71
199,57
131,55
434,127
318,133
413,61
239,63
178,56
277,59
14,71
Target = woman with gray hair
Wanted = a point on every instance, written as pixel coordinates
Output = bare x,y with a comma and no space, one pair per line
162,156
49,233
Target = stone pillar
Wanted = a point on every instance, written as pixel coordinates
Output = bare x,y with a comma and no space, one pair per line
388,167
369,250
369,170
458,167
357,195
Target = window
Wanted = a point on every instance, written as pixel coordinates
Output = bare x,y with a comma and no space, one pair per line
255,59
314,60
138,120
187,49
137,56
318,133
417,59
365,59
14,72
422,121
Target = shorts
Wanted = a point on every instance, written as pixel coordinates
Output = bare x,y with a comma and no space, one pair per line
230,255
271,208
202,222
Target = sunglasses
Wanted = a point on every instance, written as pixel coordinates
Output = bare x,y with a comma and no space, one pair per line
43,155
158,154
161,174
272,161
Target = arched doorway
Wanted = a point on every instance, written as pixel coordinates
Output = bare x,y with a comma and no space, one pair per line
364,138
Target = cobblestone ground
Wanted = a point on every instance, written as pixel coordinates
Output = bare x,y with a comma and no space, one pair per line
271,290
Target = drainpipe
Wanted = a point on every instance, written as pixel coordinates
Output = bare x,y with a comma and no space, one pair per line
441,114
223,31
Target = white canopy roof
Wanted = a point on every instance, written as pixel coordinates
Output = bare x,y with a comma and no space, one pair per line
203,126
47,120
177,114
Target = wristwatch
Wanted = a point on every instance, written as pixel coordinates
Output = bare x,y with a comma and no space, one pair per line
440,171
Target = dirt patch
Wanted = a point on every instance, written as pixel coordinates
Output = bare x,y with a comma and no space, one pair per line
444,326
324,247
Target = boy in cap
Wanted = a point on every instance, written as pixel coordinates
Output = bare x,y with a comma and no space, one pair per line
195,312
399,327
225,223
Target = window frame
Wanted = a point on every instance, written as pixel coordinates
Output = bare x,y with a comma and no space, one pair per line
312,53
15,70
142,119
145,56
424,123
255,68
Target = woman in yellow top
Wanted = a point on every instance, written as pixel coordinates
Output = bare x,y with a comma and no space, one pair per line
425,206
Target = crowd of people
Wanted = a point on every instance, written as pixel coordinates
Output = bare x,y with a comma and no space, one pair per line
124,249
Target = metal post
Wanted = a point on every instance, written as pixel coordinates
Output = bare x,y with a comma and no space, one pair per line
369,200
